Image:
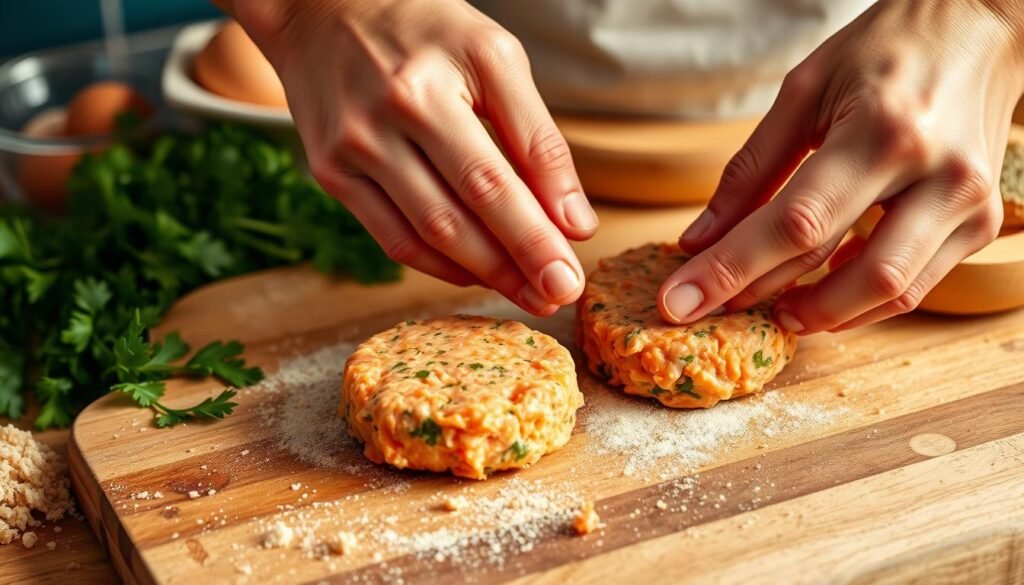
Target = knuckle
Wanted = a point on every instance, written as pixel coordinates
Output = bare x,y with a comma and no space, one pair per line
401,93
799,82
549,149
974,184
908,300
498,274
802,224
496,45
725,270
899,135
401,248
441,226
888,279
484,185
741,169
815,258
331,175
530,241
356,143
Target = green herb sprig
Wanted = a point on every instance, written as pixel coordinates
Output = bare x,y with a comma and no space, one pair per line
146,222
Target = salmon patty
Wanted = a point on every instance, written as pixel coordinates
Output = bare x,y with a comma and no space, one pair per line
470,395
628,344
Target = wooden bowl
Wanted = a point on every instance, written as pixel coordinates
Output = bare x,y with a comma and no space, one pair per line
652,162
988,281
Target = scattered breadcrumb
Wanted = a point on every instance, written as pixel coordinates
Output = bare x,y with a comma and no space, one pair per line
193,494
661,505
52,545
245,569
29,539
586,519
453,503
342,543
296,487
279,536
33,485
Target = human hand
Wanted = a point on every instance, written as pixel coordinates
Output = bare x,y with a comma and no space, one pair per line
385,96
908,106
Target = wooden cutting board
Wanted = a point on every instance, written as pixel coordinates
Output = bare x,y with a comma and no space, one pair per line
919,478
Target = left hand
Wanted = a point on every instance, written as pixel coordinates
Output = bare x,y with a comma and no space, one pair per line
908,106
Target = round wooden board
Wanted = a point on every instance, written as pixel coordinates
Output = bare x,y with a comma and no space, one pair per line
652,162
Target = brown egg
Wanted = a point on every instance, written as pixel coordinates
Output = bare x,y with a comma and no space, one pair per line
94,110
44,178
233,67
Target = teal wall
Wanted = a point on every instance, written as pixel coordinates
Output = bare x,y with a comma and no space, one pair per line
26,25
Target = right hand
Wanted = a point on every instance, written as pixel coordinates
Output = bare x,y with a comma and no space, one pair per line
386,96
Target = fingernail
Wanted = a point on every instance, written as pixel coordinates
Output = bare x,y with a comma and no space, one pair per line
530,298
559,280
578,212
790,322
698,227
683,300
716,312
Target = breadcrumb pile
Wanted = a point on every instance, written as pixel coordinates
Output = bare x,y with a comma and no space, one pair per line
33,484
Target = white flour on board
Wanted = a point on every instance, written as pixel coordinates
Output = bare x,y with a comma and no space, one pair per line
491,526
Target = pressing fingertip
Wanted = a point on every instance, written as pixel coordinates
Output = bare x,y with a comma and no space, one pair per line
679,302
789,321
580,217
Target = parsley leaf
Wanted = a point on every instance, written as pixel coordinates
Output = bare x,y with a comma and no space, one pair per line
760,361
218,407
221,360
145,393
428,430
146,222
686,387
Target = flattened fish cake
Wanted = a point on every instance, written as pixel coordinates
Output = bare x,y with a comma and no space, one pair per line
628,344
465,394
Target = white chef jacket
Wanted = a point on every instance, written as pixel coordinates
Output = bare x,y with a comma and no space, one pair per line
701,59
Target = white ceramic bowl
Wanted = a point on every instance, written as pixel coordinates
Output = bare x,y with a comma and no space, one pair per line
183,93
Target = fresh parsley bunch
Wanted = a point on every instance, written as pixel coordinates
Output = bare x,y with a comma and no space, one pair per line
147,222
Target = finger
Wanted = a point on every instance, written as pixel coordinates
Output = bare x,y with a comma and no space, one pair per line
959,246
395,235
820,202
512,104
785,275
437,217
771,154
903,242
456,143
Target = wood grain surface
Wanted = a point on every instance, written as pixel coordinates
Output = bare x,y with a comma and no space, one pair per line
919,480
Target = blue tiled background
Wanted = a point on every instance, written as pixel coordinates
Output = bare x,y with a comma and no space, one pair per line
26,25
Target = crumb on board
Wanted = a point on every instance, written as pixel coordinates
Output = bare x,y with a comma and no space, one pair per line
586,519
453,503
193,494
342,543
29,539
280,535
